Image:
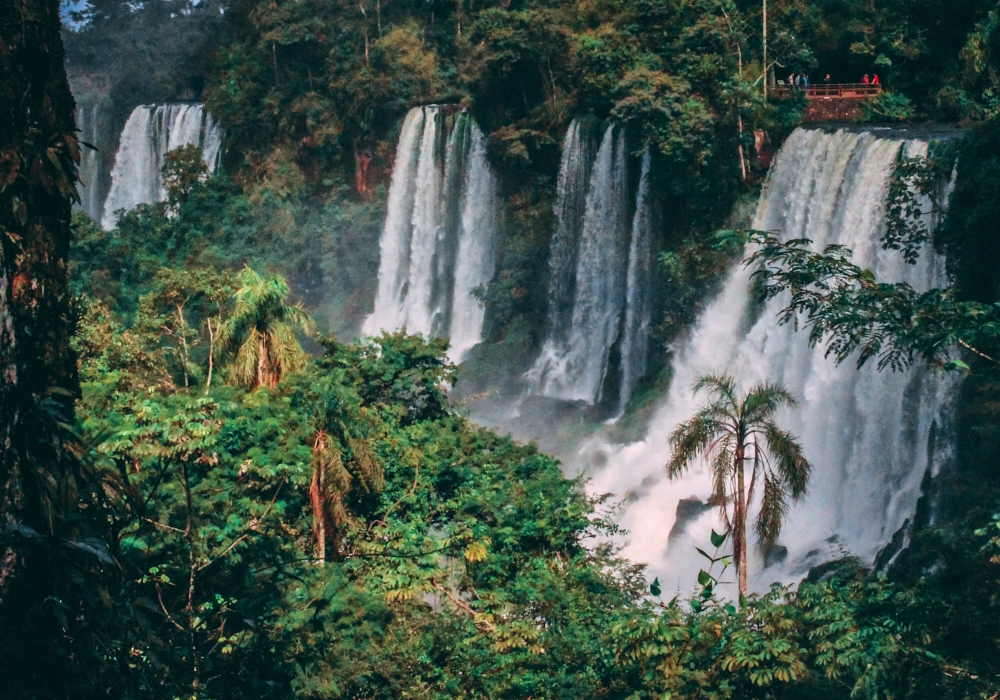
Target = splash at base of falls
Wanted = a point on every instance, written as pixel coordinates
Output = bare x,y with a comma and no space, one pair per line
871,436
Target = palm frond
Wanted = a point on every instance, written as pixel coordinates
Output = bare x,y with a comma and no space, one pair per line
788,460
260,311
763,400
773,508
689,441
244,372
366,464
718,385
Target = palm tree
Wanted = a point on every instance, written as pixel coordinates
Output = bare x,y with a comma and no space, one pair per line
736,435
261,332
332,481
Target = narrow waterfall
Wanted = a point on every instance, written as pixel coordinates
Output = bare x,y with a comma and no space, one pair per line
610,274
88,124
638,304
437,245
150,132
569,208
870,435
476,243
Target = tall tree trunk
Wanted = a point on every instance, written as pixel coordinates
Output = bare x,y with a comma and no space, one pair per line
38,160
39,155
740,519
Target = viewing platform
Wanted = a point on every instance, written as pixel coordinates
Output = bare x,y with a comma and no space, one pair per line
825,90
830,102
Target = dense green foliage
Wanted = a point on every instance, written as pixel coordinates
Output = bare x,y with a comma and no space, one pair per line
330,529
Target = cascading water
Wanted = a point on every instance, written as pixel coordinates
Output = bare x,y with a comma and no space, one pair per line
438,242
638,305
476,244
610,274
150,132
570,206
871,436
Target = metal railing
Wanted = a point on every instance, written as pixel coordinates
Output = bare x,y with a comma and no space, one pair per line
829,90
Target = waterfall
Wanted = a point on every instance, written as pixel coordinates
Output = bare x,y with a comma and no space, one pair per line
570,205
610,274
871,436
150,132
476,245
438,241
88,124
638,305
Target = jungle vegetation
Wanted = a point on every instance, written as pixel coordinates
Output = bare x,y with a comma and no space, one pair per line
205,498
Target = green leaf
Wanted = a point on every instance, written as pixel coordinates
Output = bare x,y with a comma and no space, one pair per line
703,553
654,589
703,578
717,539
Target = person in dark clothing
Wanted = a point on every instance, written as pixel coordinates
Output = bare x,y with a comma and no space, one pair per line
827,79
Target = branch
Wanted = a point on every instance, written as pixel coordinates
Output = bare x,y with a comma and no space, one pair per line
482,625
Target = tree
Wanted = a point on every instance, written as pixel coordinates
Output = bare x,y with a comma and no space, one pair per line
261,332
52,639
183,170
733,432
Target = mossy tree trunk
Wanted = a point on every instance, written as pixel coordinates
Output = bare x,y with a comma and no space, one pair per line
38,383
38,156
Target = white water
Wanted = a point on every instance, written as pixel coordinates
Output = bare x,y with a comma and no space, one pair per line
570,206
150,132
439,237
476,246
638,304
870,436
610,265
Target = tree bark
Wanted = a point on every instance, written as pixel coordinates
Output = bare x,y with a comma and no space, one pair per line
38,174
740,519
40,651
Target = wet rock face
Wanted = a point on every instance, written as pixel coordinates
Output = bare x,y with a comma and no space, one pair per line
688,510
833,109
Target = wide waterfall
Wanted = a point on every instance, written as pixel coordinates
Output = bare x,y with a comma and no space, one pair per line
150,132
871,436
437,245
599,274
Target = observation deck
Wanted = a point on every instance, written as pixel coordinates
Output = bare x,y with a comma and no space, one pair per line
830,102
831,90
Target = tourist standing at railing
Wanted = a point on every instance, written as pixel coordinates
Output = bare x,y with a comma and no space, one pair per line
791,78
865,79
875,79
805,81
826,80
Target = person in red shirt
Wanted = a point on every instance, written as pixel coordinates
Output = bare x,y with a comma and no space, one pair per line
875,79
865,79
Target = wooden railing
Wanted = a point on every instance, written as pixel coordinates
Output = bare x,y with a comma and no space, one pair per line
829,90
